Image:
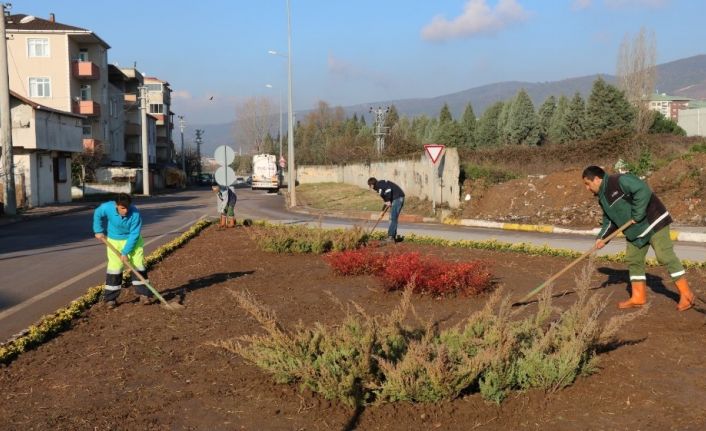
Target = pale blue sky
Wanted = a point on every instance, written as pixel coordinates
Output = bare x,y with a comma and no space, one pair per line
368,50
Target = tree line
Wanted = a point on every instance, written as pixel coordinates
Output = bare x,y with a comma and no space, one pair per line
327,136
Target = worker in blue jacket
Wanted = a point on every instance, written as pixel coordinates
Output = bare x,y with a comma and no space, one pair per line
120,224
624,198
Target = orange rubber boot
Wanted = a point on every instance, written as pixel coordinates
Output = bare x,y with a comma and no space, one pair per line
222,224
231,221
686,296
638,297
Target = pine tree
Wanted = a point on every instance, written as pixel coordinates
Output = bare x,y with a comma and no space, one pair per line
392,117
468,126
574,128
523,124
487,127
503,119
545,114
556,126
445,114
607,109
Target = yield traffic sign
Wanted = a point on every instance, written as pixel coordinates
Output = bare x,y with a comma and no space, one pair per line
434,151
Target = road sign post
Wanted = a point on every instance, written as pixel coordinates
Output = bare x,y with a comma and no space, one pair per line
434,151
224,155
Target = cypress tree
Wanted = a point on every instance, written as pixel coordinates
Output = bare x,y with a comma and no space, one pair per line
545,115
523,124
574,128
607,109
468,126
487,127
556,125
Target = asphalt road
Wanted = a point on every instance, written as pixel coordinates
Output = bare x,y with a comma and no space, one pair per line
47,262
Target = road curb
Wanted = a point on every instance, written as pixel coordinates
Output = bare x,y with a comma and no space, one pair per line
674,234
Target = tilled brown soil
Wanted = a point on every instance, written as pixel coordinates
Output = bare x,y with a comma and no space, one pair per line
143,367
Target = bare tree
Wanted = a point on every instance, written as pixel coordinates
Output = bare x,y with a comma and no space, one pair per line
84,165
254,120
637,74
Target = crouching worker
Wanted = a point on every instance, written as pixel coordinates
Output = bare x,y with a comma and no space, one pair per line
124,225
624,197
225,202
393,198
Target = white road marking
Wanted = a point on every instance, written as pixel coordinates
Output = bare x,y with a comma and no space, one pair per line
22,305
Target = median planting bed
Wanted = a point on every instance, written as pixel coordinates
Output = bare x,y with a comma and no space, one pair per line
143,367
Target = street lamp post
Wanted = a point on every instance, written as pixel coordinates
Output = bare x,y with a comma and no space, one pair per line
291,180
182,124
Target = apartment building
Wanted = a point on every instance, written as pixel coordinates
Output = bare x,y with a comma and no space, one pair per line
66,68
668,105
159,96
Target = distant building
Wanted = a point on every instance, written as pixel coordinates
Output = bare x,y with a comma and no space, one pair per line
668,105
65,68
159,96
693,119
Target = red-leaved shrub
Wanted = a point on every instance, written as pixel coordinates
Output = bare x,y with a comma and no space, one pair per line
427,274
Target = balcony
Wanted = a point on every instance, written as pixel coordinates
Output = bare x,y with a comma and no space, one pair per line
85,70
90,144
130,99
86,107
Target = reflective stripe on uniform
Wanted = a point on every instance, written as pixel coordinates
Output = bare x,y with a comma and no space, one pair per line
678,274
112,288
638,277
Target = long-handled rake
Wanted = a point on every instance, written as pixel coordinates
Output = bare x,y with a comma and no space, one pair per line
539,288
382,214
165,304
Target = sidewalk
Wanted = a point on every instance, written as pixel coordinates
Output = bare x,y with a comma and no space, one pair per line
47,211
677,232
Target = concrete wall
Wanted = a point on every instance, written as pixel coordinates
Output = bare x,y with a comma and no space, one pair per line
693,121
417,177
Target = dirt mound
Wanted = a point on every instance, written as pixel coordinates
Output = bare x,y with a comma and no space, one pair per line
682,187
560,199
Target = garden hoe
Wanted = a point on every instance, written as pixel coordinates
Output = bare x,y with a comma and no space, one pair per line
382,214
569,266
165,304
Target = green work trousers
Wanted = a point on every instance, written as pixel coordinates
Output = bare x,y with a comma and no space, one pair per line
662,244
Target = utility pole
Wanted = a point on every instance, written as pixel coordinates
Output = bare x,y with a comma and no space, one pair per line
6,156
145,144
199,132
182,124
380,129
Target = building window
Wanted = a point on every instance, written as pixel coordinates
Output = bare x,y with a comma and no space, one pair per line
156,108
83,55
85,92
154,87
39,87
38,47
87,128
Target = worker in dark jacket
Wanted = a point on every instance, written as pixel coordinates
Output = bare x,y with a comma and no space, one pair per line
623,198
393,196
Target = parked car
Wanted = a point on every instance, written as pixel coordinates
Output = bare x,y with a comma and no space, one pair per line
248,181
239,181
206,180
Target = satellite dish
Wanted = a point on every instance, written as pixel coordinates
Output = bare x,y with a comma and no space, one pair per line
28,18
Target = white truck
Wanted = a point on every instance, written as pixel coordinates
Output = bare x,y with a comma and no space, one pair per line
264,172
